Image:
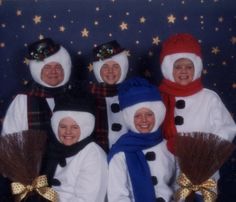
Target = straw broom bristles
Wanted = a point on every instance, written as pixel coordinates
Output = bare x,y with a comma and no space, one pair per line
21,155
200,155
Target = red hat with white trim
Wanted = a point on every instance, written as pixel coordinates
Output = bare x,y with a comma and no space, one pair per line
181,45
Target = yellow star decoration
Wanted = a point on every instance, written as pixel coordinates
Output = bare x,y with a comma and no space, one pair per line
171,19
123,26
147,73
150,53
90,67
233,40
156,40
224,63
142,20
2,45
25,82
220,19
18,12
204,71
215,50
85,33
26,61
41,37
62,28
37,19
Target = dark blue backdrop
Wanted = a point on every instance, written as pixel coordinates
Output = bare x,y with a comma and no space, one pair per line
139,25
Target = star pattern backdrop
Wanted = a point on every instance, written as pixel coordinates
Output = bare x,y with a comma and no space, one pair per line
138,25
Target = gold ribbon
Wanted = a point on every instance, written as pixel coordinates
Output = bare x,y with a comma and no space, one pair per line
186,187
40,185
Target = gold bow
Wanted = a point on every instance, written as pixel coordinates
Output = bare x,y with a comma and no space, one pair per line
40,185
186,187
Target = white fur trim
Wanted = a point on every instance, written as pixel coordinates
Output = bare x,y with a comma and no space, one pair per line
169,60
85,120
62,57
120,58
157,107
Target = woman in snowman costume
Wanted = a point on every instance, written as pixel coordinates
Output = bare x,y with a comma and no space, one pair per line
76,166
140,166
190,106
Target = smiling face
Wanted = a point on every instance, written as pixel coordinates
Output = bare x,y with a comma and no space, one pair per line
183,71
68,131
110,72
144,120
52,74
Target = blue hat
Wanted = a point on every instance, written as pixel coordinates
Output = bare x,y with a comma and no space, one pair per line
136,90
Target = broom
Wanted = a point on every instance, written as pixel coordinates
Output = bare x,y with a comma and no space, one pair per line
20,160
199,156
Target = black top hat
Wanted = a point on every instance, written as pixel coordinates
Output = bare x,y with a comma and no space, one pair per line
106,50
42,49
75,100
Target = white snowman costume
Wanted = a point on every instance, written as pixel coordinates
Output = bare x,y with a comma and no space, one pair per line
115,122
16,118
160,161
202,111
84,175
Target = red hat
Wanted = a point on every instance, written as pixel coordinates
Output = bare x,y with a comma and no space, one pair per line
180,43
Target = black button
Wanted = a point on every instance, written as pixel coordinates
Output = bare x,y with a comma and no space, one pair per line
150,156
62,162
180,104
160,200
154,180
55,182
179,120
116,127
115,107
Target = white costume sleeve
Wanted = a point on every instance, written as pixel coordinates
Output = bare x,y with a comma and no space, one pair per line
119,187
222,122
91,184
16,118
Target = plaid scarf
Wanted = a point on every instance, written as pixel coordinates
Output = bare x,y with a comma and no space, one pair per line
169,90
39,113
101,91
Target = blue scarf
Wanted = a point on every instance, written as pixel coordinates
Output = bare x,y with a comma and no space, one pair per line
132,145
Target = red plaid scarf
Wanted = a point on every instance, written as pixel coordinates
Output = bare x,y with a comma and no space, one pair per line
101,91
169,90
39,113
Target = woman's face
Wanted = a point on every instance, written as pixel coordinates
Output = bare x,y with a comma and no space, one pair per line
110,72
52,73
68,131
144,120
183,71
